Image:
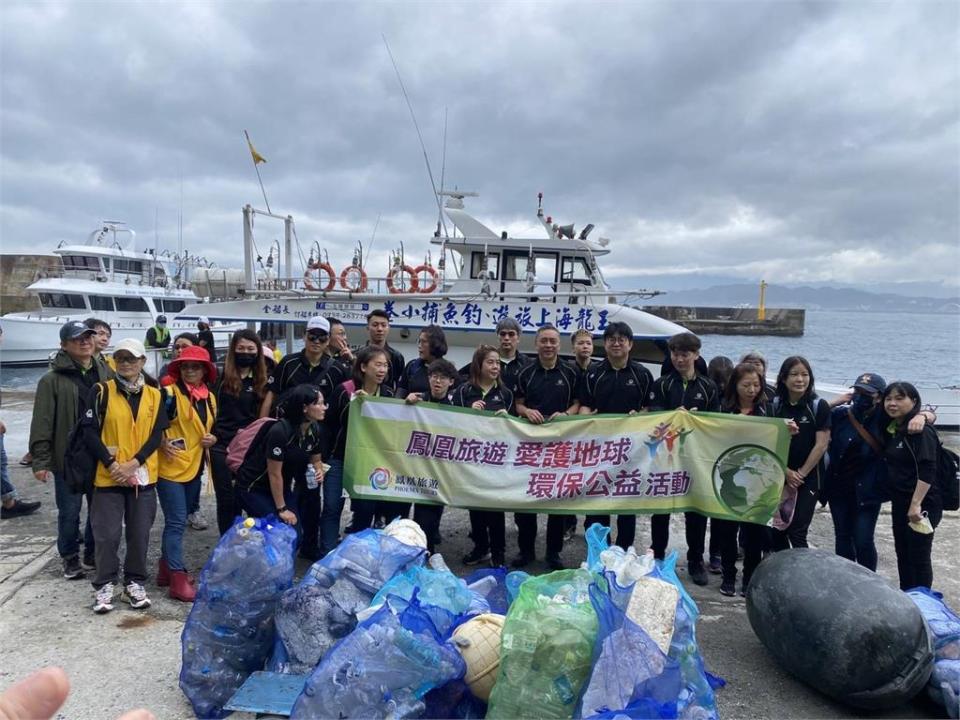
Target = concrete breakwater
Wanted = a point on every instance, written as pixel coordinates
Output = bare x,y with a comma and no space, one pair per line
784,322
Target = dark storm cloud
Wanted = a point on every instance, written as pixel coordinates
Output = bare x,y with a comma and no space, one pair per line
798,141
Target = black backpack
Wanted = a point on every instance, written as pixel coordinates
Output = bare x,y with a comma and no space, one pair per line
79,464
948,477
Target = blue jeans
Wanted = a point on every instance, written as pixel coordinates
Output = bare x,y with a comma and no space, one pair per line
193,495
173,498
69,505
853,529
332,507
7,490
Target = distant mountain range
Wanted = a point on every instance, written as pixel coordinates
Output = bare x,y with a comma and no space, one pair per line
808,297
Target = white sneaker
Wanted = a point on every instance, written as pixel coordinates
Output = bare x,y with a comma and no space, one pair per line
103,599
136,595
197,521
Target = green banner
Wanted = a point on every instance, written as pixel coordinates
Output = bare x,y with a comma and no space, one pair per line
725,466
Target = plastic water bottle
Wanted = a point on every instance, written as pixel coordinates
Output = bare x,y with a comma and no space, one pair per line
312,483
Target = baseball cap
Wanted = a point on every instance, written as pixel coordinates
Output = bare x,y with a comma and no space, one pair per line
871,382
203,319
318,322
74,329
132,346
161,319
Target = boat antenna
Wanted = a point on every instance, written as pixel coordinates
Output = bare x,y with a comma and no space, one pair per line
373,235
416,126
443,166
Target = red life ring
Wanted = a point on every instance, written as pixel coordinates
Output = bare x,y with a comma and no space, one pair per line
357,275
395,276
434,278
331,277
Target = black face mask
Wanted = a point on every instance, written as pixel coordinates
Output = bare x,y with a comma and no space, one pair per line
862,403
245,360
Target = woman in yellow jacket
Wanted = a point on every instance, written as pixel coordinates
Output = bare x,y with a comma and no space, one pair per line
192,410
122,428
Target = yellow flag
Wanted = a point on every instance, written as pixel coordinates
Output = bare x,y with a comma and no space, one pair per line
257,157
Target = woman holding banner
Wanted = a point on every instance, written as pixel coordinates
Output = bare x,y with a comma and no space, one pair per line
485,393
369,373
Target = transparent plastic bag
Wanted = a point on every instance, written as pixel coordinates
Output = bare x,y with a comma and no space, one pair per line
230,630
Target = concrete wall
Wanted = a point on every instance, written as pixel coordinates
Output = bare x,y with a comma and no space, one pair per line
18,271
733,321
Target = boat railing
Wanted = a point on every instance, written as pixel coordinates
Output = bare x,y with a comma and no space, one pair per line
141,279
566,292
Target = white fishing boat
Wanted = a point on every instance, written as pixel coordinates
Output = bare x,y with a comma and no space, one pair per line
481,277
107,278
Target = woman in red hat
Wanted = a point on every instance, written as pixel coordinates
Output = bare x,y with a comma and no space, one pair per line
192,410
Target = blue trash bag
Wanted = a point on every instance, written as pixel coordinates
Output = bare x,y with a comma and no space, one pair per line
322,608
514,580
453,700
435,590
598,540
631,676
230,631
944,624
494,592
696,697
382,669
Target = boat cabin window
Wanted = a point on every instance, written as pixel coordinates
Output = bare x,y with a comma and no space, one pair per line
62,300
575,269
98,302
545,267
131,304
127,266
476,265
81,262
170,306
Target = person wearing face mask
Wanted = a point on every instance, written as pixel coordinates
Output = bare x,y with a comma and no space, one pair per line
239,391
853,485
305,367
158,336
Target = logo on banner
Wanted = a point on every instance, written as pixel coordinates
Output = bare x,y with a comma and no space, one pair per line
381,479
747,480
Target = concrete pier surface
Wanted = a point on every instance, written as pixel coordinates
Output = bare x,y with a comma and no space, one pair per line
130,658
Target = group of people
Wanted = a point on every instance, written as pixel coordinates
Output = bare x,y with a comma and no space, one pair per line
154,438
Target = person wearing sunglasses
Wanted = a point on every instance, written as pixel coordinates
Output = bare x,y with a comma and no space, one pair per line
305,367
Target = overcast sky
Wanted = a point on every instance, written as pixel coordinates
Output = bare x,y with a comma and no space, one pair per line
794,141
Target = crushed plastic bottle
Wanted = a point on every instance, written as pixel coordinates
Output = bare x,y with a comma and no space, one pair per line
230,630
311,478
383,669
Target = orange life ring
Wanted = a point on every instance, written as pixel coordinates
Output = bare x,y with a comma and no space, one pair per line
434,278
331,277
394,275
359,276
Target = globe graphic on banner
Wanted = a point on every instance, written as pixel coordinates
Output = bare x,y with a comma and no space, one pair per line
747,480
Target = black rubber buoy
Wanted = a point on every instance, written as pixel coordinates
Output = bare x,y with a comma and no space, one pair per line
840,628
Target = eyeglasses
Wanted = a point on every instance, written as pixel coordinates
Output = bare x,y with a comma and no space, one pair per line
507,333
125,359
617,340
317,337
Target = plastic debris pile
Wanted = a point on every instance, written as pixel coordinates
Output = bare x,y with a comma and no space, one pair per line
944,625
230,630
380,633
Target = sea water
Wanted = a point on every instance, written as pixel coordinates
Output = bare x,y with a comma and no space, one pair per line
840,345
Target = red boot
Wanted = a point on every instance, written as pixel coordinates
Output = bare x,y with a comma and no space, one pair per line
180,586
163,573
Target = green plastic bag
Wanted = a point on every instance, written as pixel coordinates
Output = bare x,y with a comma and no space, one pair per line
547,647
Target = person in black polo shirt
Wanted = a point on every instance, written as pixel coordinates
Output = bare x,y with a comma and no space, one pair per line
431,345
378,330
546,389
618,385
485,393
304,367
441,376
686,388
279,455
